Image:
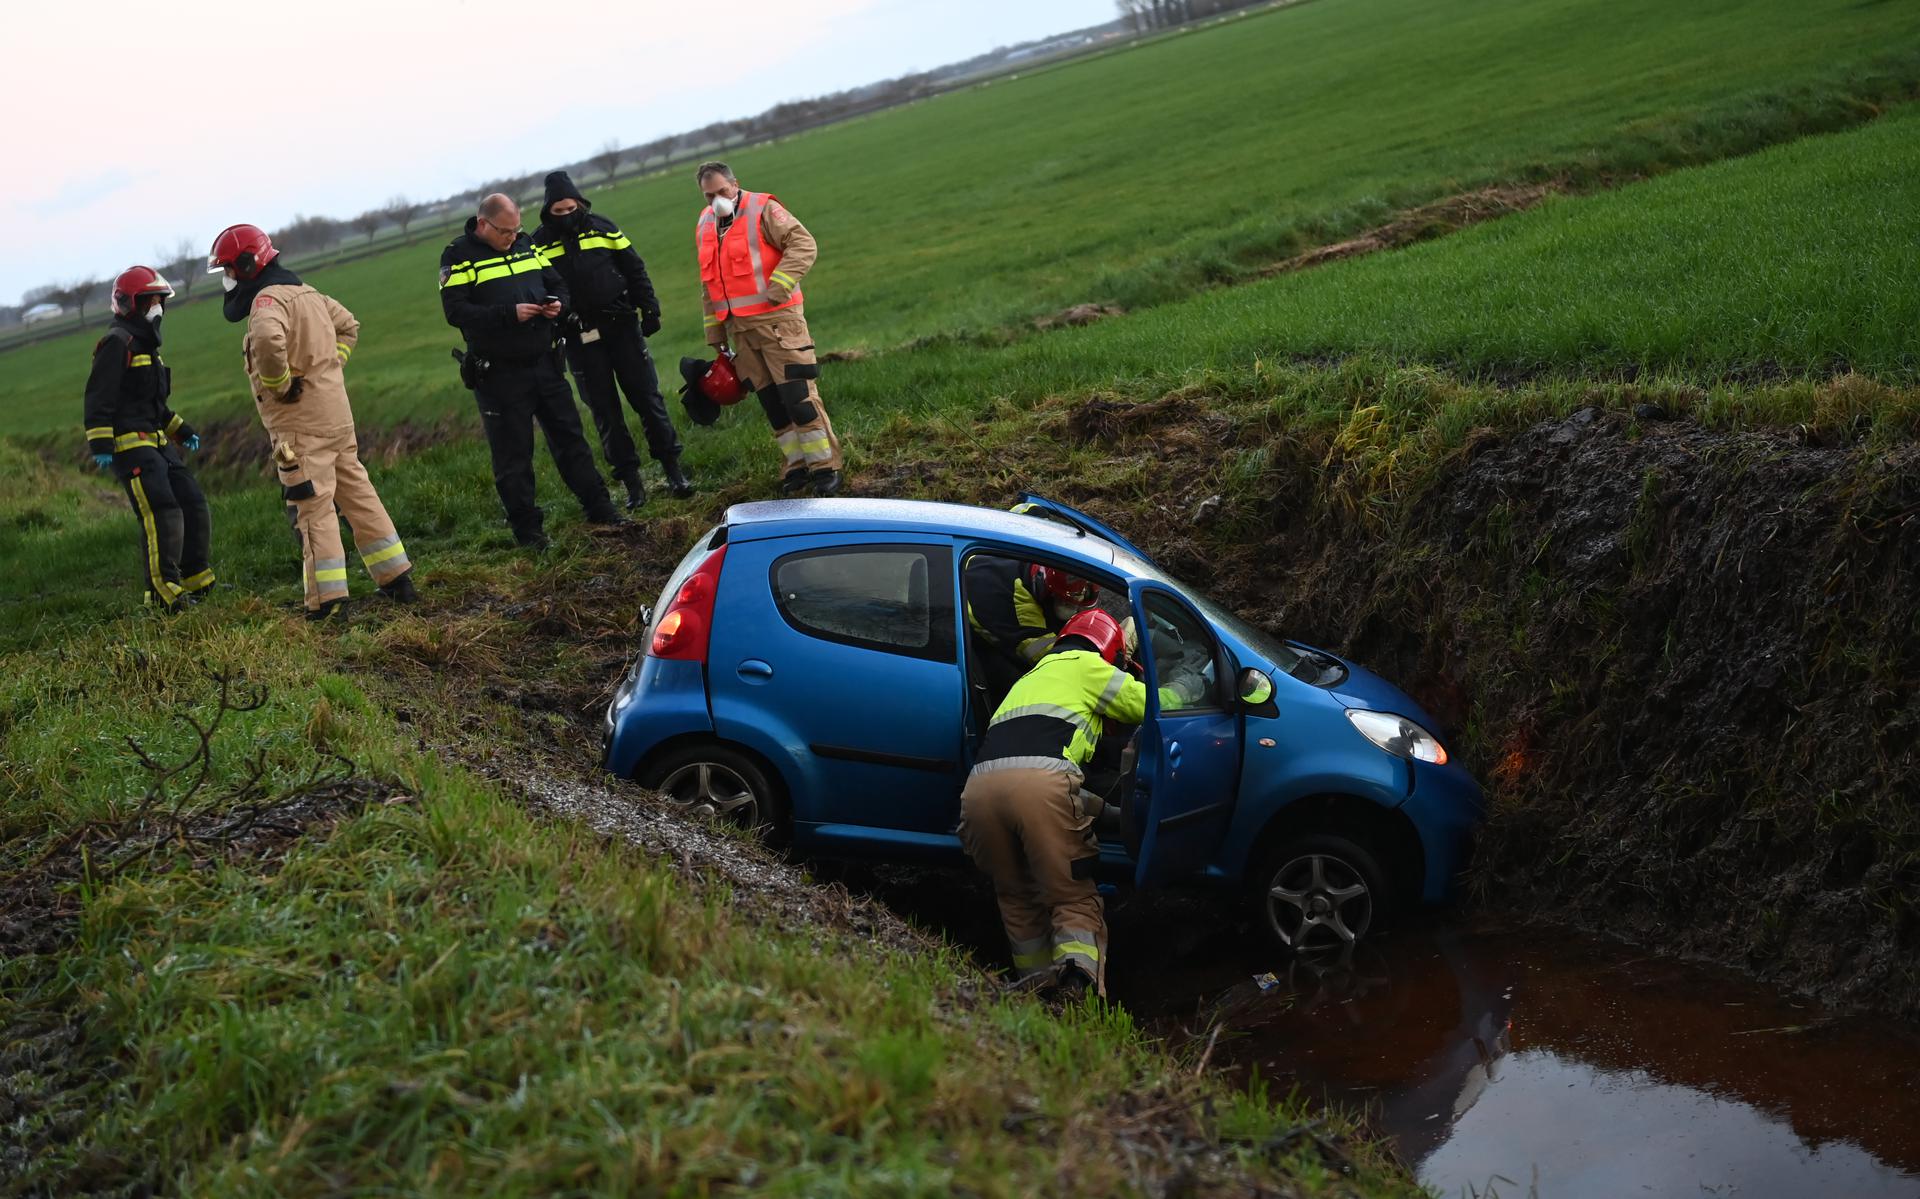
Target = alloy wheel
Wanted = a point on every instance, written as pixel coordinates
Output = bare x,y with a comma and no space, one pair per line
1317,901
713,790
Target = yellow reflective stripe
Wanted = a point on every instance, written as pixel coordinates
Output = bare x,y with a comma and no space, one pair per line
711,320
455,278
141,360
603,242
378,556
1028,961
279,380
346,351
167,591
500,268
556,250
783,279
173,426
128,441
99,431
330,576
1070,948
197,582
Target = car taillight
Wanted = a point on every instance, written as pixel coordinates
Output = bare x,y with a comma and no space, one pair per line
683,629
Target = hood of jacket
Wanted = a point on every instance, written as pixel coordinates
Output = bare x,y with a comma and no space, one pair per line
560,187
239,301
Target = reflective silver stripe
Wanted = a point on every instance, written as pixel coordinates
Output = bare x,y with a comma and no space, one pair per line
1054,710
756,202
1115,685
1035,648
1029,762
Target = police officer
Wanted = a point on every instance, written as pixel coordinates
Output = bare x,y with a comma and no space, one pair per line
614,312
1024,817
505,300
132,432
752,255
296,349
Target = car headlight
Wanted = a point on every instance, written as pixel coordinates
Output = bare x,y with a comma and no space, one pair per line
1398,736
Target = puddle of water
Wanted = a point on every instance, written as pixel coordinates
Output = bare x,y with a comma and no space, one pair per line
1517,1063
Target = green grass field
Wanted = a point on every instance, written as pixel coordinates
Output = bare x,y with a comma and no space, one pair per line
1138,175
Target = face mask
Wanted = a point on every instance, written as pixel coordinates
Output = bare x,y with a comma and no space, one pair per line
155,313
228,283
577,219
722,207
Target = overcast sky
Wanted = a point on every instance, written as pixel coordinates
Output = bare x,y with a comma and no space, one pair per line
132,126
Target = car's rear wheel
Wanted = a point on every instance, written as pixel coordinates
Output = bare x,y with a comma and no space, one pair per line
1320,892
718,783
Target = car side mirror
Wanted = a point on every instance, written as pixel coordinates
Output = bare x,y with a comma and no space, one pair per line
1255,689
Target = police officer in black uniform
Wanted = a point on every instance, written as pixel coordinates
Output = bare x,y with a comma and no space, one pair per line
505,300
132,432
614,312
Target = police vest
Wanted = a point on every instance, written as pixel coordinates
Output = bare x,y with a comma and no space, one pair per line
738,266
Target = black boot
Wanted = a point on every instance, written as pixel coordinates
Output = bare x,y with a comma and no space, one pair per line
333,609
530,539
401,590
677,481
793,482
826,481
636,490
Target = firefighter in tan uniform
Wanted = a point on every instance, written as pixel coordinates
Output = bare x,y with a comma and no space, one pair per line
752,255
297,344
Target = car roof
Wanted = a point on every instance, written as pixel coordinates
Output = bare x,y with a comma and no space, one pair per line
788,518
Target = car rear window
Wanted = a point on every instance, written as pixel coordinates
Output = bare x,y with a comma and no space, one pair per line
894,598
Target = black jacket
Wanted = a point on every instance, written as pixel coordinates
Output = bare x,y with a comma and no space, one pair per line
603,270
128,387
479,287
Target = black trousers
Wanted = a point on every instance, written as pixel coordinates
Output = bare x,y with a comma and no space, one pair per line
511,399
176,530
620,355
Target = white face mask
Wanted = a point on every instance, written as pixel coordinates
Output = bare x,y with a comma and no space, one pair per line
722,207
156,312
228,283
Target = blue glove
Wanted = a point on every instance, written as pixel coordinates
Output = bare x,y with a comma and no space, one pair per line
192,441
103,461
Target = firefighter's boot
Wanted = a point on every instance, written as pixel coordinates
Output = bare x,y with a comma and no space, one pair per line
401,590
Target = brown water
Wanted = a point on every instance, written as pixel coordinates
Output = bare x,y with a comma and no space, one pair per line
1517,1063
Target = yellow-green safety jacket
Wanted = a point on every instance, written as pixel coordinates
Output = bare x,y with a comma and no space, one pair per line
1053,717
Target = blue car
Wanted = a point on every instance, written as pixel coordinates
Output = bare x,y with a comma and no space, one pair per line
809,669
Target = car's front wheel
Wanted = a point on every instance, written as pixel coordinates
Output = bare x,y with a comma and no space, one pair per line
718,783
1320,892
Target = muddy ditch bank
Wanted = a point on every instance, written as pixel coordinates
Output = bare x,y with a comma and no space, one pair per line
1682,659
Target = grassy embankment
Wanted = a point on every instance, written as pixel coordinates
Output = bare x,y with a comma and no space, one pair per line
1135,176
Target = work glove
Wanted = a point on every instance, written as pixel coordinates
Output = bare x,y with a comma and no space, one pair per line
191,441
293,391
649,324
103,461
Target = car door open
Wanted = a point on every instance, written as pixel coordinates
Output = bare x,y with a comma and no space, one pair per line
1187,774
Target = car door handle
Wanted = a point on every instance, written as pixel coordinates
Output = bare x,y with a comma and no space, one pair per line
1173,755
753,670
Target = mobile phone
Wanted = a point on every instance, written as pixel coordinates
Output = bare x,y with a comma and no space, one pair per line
552,300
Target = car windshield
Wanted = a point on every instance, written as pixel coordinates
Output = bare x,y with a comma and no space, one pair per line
1302,663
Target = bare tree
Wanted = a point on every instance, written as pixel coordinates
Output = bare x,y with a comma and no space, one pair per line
402,212
1137,13
181,265
76,294
609,157
369,222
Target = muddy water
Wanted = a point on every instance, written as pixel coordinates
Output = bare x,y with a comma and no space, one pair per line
1517,1063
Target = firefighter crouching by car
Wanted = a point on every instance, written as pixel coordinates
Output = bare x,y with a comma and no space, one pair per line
753,255
1024,818
504,298
296,349
615,310
132,432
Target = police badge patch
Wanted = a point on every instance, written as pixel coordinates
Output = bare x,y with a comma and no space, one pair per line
444,272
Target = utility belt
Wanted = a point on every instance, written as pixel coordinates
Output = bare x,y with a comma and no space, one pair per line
133,441
474,369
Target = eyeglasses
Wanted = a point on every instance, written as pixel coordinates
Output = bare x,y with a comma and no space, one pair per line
513,232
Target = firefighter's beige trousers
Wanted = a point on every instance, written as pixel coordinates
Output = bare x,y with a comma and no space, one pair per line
762,354
331,462
1026,828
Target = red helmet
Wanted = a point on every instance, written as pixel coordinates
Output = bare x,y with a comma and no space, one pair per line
245,248
720,384
1100,629
136,281
1052,585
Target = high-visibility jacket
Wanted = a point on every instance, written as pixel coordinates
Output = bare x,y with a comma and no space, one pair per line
1053,717
740,266
480,286
127,390
1002,611
295,332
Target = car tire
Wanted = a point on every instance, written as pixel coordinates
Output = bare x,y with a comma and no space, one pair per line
1320,892
719,782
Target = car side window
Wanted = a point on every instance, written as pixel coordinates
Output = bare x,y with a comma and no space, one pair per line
1184,655
892,598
